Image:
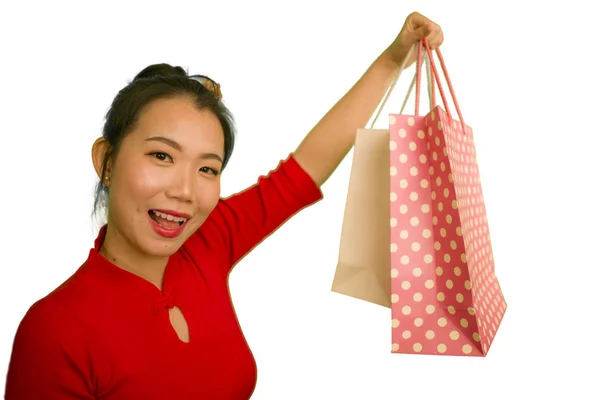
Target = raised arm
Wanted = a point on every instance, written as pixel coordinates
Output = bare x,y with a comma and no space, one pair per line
243,220
326,145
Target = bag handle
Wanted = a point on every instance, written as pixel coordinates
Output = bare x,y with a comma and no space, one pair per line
438,80
430,87
393,84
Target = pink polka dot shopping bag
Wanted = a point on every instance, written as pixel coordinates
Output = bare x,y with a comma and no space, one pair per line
415,234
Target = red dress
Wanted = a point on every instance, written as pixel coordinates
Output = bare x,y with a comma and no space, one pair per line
105,333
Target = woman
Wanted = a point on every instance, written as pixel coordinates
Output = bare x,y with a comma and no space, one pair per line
148,315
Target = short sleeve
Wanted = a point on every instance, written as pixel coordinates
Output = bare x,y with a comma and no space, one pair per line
43,363
240,222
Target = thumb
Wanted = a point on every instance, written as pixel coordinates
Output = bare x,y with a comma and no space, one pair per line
422,32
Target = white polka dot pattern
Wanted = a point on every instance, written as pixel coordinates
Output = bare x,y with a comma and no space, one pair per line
446,297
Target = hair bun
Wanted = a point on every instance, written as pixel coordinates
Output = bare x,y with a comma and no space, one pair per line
167,70
162,69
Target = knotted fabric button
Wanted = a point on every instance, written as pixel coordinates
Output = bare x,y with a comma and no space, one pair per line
164,302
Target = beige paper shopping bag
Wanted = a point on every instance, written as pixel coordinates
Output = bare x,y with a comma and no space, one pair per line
363,269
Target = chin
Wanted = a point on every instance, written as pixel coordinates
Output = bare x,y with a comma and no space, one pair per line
162,248
156,245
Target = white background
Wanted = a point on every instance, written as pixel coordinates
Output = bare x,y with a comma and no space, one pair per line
526,80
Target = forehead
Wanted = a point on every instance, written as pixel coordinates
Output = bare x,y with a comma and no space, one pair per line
179,119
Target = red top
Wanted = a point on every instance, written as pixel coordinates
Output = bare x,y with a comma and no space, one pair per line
105,333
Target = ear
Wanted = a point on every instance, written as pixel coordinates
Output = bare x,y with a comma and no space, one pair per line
99,151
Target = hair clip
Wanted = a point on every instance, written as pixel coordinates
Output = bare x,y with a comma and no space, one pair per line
208,84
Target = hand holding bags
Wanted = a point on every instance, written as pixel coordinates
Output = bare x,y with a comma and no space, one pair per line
443,293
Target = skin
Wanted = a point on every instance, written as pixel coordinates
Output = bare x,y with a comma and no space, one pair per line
183,179
171,160
328,143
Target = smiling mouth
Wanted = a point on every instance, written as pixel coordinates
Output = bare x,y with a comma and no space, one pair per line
165,220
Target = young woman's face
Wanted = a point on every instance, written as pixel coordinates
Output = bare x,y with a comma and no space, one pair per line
166,178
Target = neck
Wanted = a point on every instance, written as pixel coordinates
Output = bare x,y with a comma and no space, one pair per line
125,255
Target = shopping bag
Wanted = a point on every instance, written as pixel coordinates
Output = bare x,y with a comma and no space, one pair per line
363,268
443,292
446,298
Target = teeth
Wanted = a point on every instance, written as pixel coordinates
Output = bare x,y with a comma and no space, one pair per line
169,217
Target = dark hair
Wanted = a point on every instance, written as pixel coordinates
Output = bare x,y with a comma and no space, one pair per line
157,81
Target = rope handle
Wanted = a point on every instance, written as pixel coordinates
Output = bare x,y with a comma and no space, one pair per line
392,85
430,65
431,91
439,84
430,87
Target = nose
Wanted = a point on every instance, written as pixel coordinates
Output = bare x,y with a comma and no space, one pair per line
182,186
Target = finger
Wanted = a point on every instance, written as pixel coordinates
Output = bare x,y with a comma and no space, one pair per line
422,32
417,19
439,39
435,37
434,40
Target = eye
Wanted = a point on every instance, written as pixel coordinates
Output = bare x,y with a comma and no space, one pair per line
208,170
161,156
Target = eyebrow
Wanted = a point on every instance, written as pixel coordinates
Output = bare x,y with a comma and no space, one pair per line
177,146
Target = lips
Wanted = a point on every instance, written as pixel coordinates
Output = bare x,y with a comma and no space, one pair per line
167,224
174,213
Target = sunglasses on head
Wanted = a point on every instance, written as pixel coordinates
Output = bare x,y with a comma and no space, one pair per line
208,84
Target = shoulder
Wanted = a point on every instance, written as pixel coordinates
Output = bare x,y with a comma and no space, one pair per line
41,331
51,347
53,338
40,324
55,312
